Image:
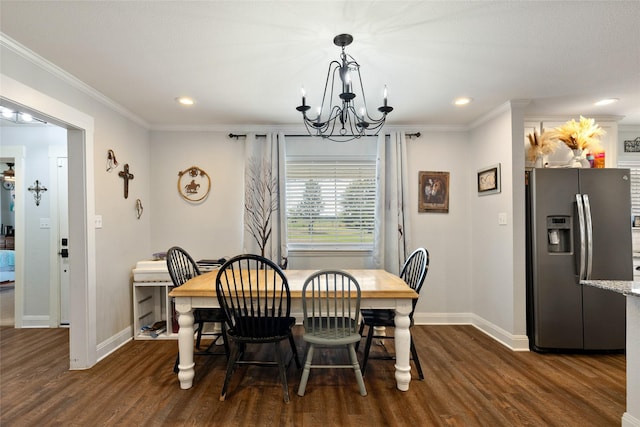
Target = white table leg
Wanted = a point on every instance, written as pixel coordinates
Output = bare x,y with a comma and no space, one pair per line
185,343
403,344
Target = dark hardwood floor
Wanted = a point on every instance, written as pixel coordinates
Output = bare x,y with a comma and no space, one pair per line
470,380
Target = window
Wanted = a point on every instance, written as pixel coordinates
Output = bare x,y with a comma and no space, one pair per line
330,199
634,167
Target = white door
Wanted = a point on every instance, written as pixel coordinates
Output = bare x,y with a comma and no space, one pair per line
63,240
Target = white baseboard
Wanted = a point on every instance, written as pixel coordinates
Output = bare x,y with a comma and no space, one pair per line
110,345
514,342
629,420
36,321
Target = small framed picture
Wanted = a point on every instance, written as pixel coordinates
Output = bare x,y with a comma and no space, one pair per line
433,192
489,180
636,221
632,146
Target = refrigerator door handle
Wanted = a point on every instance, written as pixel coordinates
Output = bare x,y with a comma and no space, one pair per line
583,243
589,231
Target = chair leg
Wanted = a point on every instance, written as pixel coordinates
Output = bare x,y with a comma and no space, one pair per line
283,372
307,370
356,368
230,366
199,336
225,339
367,348
294,349
414,353
362,325
175,365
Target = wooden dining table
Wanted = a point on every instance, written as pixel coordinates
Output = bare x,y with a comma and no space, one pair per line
379,289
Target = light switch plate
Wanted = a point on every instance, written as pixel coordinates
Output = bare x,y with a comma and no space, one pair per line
502,218
98,221
45,223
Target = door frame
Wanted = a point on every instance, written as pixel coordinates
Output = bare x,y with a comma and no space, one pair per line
82,262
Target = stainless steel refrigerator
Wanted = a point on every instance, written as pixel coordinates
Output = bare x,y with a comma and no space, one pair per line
578,227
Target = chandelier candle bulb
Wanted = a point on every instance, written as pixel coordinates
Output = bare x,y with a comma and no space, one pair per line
385,95
303,96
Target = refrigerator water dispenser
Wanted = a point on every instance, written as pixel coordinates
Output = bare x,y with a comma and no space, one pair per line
559,234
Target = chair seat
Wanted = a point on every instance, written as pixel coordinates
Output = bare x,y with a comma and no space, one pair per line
380,317
208,315
256,329
330,330
330,338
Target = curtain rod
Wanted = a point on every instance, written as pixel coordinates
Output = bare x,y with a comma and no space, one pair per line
237,136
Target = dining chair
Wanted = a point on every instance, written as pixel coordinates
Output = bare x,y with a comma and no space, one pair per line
254,293
181,268
331,307
413,273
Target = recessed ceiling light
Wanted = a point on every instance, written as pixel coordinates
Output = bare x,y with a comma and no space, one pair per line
462,101
606,101
185,100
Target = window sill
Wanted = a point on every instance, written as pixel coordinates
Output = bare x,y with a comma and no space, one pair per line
329,251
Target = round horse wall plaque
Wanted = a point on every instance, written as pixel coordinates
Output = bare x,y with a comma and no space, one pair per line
194,184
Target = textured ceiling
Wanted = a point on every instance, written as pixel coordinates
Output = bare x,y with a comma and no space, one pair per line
244,62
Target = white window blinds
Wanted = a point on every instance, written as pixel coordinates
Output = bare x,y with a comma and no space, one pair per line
634,167
330,202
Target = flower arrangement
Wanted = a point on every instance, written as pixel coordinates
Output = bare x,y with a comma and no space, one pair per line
582,135
541,145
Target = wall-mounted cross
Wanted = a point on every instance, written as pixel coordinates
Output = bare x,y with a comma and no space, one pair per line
37,189
126,176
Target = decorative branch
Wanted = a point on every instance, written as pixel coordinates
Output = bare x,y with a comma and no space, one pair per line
261,201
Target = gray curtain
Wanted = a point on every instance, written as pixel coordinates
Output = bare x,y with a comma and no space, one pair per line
264,186
392,244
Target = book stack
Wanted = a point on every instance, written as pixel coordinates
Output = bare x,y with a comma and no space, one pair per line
154,330
206,265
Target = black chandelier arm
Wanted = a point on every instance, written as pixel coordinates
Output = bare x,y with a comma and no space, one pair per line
331,74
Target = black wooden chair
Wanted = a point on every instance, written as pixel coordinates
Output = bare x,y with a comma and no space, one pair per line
254,294
181,268
331,315
413,272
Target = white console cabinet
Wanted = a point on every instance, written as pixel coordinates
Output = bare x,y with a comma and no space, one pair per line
151,301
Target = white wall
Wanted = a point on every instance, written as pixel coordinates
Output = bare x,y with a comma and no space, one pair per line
446,295
471,272
123,240
497,261
477,266
211,228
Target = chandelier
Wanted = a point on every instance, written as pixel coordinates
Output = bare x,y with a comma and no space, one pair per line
343,116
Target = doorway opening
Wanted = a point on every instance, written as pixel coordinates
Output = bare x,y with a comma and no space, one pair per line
81,208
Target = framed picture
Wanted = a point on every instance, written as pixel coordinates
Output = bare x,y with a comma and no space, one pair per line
632,145
433,192
489,180
636,221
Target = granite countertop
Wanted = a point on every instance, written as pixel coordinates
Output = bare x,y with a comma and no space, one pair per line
625,287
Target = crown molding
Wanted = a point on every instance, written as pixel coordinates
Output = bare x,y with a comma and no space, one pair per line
34,58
